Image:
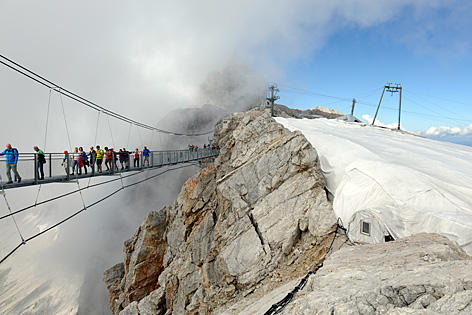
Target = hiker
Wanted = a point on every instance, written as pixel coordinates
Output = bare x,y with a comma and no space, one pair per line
75,160
41,161
92,158
99,158
11,162
84,159
136,158
108,158
64,161
122,158
115,158
146,156
126,155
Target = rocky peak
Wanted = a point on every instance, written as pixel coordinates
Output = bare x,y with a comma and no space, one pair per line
236,229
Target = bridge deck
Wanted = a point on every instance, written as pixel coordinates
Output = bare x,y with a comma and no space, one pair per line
56,172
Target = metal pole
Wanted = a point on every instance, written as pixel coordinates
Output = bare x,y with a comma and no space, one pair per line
400,108
377,111
93,160
50,164
68,166
353,104
35,169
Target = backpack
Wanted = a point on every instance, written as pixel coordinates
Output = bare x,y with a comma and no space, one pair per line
84,156
15,151
42,158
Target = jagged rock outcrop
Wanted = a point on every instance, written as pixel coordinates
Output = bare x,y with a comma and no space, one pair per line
312,113
421,274
237,228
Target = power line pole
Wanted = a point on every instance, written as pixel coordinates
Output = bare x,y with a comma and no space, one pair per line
353,104
392,88
272,90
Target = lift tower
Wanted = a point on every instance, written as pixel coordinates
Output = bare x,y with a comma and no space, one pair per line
392,88
271,97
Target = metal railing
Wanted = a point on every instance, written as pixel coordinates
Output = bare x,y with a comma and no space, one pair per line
58,166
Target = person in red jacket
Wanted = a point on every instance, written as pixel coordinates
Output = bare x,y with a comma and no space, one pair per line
136,158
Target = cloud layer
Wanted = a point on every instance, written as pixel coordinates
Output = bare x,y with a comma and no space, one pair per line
370,119
145,60
442,131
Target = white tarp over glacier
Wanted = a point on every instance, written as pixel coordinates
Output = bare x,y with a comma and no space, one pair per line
408,183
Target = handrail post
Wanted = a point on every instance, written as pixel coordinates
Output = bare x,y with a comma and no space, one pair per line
152,159
50,164
92,160
68,166
35,159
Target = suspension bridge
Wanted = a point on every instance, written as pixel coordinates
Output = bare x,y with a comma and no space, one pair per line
58,166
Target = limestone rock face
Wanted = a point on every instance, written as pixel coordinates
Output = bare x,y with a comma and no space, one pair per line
237,229
144,256
421,274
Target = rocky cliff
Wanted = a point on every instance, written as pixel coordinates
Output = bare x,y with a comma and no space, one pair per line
237,229
245,230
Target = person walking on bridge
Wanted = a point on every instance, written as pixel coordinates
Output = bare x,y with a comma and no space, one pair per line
41,161
146,156
108,158
92,158
11,162
136,158
100,154
126,157
85,162
75,161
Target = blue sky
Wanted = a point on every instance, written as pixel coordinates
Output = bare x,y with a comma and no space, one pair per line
432,66
145,61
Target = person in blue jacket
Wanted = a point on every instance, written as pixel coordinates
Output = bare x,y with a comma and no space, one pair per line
11,162
146,156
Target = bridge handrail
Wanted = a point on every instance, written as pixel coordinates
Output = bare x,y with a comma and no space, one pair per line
59,168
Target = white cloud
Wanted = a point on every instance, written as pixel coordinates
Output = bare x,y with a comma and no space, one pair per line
442,131
370,119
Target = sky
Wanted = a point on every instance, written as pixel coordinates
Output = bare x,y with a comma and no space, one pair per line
144,60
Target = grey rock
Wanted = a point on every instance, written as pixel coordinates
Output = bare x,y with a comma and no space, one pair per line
391,278
234,224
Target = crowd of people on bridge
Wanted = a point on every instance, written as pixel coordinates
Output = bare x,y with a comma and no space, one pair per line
79,160
194,148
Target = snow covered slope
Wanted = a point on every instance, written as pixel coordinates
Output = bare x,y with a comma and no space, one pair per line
410,184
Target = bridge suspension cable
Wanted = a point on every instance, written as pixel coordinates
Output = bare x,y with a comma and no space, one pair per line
51,85
85,207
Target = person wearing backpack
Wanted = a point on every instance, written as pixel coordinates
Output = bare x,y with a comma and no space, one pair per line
11,162
93,158
146,156
85,162
41,161
126,157
108,158
100,154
